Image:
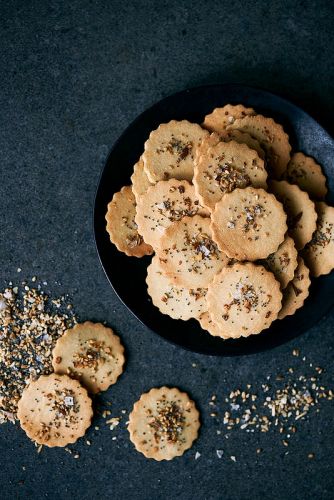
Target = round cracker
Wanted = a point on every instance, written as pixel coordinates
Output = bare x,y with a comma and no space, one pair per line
210,326
319,253
175,301
121,225
188,254
163,204
163,423
54,410
272,139
220,118
91,353
296,292
300,210
170,150
244,299
225,167
283,262
307,174
139,179
248,224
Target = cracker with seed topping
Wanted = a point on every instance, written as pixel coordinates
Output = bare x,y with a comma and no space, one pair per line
283,262
91,353
296,292
220,118
272,139
244,299
55,410
188,253
300,210
139,179
225,167
176,301
319,253
170,150
121,226
163,204
164,423
248,224
307,174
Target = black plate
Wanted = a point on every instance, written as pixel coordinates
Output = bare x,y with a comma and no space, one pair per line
127,274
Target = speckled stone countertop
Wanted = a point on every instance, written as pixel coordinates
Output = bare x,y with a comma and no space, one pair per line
73,76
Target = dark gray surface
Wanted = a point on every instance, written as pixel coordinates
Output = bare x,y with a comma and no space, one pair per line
73,75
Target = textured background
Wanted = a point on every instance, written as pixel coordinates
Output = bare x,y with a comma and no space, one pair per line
73,76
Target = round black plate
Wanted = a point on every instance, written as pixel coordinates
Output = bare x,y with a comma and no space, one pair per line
127,274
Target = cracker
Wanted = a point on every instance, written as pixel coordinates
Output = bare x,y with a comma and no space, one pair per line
188,254
90,353
170,150
307,174
244,299
163,204
210,326
300,210
283,262
121,225
55,410
163,423
225,167
139,179
175,301
272,139
248,224
319,253
220,118
296,292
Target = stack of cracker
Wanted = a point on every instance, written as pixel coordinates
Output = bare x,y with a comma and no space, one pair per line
237,224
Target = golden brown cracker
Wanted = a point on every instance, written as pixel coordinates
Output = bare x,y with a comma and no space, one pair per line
300,210
121,225
170,150
307,174
248,224
55,410
319,253
225,167
164,423
176,301
272,139
283,262
244,299
220,118
296,292
163,204
91,353
188,253
139,179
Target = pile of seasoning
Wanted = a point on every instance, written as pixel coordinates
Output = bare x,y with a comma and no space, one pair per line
30,323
